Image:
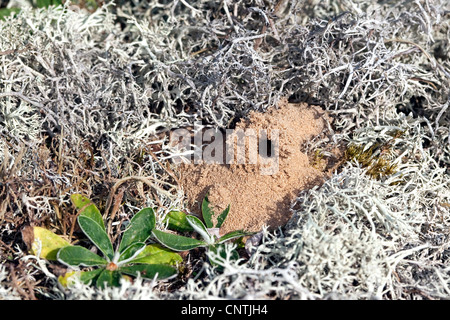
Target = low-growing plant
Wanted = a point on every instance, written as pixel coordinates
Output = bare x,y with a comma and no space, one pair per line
375,158
131,257
209,231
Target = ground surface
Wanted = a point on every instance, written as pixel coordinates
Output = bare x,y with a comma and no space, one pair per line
88,99
260,193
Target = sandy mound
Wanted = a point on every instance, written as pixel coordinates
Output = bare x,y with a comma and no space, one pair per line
258,198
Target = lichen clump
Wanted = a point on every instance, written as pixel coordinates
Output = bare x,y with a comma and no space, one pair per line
83,95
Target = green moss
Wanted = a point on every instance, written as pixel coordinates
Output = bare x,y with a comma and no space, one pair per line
375,158
317,161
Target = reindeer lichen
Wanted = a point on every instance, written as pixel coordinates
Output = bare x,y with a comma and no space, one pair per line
82,94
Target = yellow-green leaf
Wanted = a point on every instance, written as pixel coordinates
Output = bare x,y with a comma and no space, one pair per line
85,276
177,221
66,280
156,254
48,242
89,209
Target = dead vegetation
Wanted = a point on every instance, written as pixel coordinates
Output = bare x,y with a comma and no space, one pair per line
86,100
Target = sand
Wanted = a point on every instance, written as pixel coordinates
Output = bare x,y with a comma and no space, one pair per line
256,197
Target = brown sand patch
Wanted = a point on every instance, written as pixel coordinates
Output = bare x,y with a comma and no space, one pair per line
257,199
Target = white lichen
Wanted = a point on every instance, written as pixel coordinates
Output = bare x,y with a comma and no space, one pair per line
86,92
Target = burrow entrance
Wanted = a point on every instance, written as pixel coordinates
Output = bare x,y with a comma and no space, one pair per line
259,199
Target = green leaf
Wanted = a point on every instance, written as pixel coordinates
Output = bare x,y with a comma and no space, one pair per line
156,254
97,235
200,228
207,212
150,271
48,242
176,242
221,218
6,12
108,278
89,208
79,256
131,251
47,3
140,228
87,276
234,234
177,221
